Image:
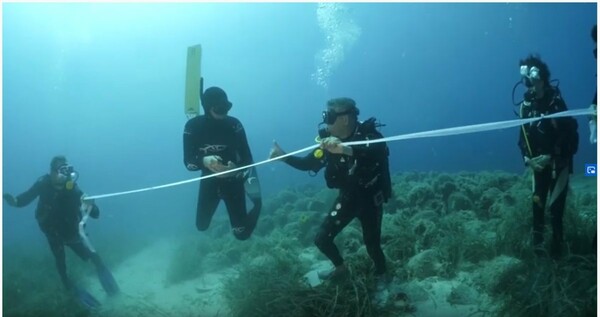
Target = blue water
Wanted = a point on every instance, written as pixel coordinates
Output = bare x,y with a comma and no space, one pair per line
103,84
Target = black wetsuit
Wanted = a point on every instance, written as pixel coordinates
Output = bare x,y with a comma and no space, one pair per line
58,216
205,136
555,137
364,185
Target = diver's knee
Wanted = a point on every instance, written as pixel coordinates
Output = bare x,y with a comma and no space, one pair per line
371,241
241,237
92,256
201,226
321,239
241,233
373,248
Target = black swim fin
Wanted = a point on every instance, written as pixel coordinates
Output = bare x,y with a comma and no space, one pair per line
108,281
86,299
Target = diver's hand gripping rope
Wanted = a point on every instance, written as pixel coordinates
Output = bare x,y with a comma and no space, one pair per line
426,134
85,209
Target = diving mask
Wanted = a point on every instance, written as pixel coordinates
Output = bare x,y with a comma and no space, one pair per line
67,175
530,74
330,115
222,109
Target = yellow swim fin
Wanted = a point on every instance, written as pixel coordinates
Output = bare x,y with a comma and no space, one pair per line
192,80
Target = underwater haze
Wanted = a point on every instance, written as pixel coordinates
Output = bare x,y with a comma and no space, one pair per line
103,84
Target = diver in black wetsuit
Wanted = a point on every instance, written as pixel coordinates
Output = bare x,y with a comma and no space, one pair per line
216,142
547,147
59,213
361,174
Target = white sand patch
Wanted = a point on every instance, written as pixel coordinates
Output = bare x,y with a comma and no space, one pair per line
437,304
141,279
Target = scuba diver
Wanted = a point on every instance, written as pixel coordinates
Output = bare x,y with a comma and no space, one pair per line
216,142
61,214
547,147
361,174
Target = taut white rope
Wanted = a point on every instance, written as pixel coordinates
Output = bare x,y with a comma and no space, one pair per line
426,134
